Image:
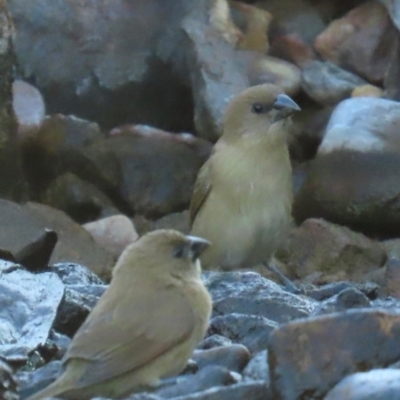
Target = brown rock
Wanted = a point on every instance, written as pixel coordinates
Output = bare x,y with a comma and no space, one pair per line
79,199
257,23
327,84
353,180
330,252
361,41
307,132
58,147
294,27
307,357
178,221
293,48
279,72
158,168
392,278
19,227
221,20
12,180
113,233
367,91
74,244
23,225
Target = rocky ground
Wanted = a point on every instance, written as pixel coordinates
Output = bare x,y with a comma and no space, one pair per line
118,104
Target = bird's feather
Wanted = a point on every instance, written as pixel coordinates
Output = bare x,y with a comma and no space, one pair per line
121,348
201,190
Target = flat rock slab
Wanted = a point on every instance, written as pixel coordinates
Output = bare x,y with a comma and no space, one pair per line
28,307
23,224
308,357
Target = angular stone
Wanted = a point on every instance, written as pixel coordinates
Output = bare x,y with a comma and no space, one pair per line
158,168
330,252
252,331
328,84
354,41
302,353
250,294
354,178
29,306
234,357
92,74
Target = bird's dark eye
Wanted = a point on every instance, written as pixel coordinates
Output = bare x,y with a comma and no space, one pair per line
258,108
180,251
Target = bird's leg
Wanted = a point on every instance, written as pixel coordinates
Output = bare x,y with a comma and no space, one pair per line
289,286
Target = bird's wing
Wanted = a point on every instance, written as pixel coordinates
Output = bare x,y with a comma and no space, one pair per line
201,190
133,335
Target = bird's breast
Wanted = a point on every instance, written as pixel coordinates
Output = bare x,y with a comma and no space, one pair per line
248,210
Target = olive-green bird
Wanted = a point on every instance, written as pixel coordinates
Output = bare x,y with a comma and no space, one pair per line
144,327
242,197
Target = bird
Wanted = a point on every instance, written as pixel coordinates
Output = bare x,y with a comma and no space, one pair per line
255,36
242,196
146,324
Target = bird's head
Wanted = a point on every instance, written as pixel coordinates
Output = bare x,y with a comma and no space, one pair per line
255,110
164,251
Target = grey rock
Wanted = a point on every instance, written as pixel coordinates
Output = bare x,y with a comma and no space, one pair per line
377,384
8,385
233,357
250,293
257,369
206,378
92,74
214,341
77,303
327,84
345,300
33,381
75,274
249,390
250,330
29,304
215,76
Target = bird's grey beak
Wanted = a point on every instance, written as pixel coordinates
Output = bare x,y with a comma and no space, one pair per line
197,246
285,106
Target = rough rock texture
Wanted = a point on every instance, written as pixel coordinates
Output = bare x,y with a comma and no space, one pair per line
12,182
157,169
22,225
328,84
325,252
103,53
29,306
301,361
354,178
354,41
